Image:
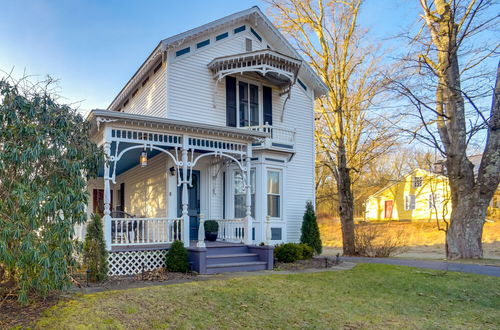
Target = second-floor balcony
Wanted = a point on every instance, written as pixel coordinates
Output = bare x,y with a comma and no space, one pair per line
279,138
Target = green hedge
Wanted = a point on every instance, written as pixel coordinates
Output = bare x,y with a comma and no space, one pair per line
177,258
291,252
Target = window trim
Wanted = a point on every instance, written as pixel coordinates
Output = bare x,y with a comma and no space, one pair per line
280,207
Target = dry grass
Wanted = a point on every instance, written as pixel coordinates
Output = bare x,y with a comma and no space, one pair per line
368,296
422,239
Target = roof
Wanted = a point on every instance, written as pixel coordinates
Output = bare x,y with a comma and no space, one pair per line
179,125
254,13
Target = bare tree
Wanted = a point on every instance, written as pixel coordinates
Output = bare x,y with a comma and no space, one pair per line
450,62
348,136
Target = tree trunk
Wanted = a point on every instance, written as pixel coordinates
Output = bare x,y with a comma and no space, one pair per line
463,238
346,209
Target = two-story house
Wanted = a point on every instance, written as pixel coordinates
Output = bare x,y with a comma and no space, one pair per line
216,124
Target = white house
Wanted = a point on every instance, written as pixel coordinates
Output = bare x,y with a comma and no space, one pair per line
229,103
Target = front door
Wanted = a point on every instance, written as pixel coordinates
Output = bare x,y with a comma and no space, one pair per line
388,205
193,205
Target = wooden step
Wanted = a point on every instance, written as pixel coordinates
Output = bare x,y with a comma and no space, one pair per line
236,267
232,258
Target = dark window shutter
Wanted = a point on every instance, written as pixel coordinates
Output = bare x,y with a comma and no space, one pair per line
267,93
122,197
231,101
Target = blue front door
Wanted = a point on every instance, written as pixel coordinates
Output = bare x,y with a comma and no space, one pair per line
193,206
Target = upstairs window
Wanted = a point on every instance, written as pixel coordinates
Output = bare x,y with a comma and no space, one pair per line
417,181
248,104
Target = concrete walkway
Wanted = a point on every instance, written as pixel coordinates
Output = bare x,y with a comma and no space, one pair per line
436,265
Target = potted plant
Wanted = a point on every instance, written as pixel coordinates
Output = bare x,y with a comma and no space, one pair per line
211,230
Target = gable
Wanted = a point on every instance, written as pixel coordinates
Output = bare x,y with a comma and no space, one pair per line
257,24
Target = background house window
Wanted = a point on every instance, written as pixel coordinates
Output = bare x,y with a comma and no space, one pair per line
274,194
248,104
410,202
434,200
417,181
240,194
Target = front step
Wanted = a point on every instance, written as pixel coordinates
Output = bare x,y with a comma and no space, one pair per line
227,249
236,267
231,258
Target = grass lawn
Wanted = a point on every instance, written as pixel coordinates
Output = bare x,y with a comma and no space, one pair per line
368,296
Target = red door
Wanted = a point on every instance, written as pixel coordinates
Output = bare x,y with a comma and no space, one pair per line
388,209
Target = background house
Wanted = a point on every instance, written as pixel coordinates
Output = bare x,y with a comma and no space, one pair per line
418,196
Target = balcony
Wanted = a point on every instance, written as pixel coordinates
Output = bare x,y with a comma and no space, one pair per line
279,138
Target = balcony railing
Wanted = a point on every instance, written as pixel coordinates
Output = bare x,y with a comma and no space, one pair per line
277,134
136,231
231,230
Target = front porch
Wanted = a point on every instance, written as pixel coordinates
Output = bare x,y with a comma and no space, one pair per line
160,183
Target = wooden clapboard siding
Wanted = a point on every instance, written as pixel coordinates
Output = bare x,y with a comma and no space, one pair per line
191,84
146,188
299,180
150,99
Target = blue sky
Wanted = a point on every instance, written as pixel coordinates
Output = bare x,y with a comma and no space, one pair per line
93,47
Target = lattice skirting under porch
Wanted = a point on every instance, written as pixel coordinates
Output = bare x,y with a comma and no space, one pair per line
130,262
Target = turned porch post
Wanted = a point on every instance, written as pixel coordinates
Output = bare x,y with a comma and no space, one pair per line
248,218
201,232
185,180
107,189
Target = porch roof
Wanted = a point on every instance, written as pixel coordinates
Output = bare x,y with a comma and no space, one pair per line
97,117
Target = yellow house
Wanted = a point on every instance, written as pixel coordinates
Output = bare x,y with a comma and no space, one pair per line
420,195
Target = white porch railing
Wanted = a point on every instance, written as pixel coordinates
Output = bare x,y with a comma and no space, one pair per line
277,134
130,231
231,230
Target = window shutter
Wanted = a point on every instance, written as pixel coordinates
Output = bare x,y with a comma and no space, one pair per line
231,101
267,93
412,202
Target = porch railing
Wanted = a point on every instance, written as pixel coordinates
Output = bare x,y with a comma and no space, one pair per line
129,231
231,230
278,134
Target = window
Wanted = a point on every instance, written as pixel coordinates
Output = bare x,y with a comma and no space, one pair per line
158,67
434,200
240,194
409,202
221,36
248,104
276,234
302,84
248,44
417,181
240,29
274,194
203,43
256,34
183,51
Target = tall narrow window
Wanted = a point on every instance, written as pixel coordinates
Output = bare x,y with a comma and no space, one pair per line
273,194
248,104
410,202
240,194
